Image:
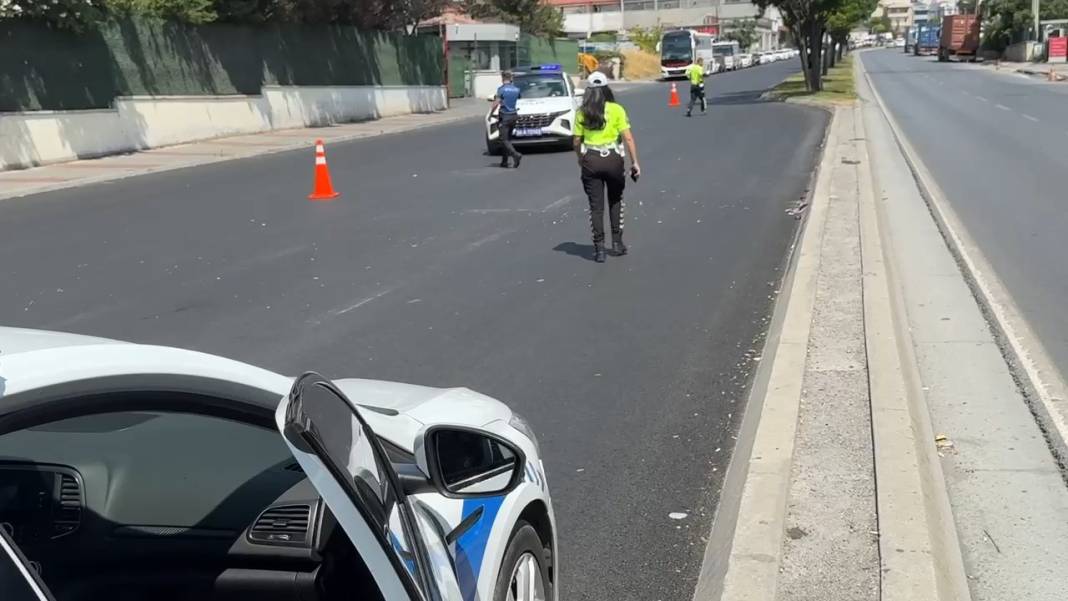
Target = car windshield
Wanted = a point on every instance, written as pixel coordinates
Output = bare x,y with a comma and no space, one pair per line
676,48
540,85
723,50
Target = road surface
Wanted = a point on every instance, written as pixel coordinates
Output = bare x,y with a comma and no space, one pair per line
437,267
997,144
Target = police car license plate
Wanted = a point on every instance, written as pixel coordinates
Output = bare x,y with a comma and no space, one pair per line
527,132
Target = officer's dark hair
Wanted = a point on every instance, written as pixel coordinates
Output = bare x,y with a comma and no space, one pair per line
506,76
593,106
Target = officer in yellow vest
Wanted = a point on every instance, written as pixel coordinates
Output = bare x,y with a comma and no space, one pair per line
696,74
601,130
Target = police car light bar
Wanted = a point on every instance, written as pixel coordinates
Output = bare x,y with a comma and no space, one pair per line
547,68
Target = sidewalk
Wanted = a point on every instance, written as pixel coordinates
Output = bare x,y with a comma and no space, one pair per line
894,455
77,173
1060,70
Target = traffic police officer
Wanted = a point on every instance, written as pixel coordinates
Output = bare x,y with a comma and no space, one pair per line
506,103
599,126
696,74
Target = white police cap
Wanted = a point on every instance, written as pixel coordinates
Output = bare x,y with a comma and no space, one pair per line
597,80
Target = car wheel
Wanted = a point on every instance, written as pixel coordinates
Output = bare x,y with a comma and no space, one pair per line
493,148
524,574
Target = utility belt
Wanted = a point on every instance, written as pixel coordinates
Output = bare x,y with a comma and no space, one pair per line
604,150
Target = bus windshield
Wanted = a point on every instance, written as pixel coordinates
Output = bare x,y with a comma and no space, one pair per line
676,48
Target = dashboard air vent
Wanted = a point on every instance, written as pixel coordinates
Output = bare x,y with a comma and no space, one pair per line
282,525
69,512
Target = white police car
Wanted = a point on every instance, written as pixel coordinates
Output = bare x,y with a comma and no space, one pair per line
546,107
142,472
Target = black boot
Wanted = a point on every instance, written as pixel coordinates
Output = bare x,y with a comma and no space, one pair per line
598,253
618,248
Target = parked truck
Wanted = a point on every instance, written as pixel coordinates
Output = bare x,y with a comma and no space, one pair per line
959,37
927,39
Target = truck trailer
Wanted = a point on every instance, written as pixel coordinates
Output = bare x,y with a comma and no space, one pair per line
959,37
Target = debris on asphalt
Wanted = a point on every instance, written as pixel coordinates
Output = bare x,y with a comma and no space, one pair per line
678,515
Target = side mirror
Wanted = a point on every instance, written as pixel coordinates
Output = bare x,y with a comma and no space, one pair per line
467,462
491,97
579,92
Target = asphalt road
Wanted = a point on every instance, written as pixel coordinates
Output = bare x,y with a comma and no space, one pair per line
997,144
437,267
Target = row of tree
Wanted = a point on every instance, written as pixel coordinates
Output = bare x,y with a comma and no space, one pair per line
532,16
819,27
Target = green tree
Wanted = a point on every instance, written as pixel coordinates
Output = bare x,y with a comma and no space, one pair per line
880,25
187,11
744,32
66,14
842,21
646,38
532,16
806,21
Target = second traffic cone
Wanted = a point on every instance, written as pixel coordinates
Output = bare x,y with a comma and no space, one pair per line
323,189
673,100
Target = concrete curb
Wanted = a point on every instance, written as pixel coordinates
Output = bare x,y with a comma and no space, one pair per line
752,570
1036,374
918,545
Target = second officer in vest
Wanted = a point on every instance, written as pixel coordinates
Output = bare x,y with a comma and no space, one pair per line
601,131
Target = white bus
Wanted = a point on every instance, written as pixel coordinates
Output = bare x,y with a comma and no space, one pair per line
679,49
728,54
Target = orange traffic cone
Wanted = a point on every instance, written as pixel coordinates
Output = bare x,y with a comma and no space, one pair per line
323,190
674,99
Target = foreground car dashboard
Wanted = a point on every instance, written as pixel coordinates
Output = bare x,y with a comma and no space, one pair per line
134,472
96,521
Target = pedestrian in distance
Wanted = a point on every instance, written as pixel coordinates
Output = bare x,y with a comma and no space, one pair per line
506,102
696,74
601,131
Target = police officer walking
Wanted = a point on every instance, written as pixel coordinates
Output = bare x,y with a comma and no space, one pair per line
506,103
600,125
696,74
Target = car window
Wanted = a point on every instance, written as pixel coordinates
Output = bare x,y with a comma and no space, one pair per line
540,86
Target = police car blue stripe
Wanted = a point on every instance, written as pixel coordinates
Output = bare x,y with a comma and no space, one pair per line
471,546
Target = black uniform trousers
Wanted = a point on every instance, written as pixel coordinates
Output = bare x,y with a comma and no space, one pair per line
601,173
697,93
505,126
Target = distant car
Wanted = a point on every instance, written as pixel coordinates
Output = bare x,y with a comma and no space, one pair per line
745,60
899,43
546,106
130,471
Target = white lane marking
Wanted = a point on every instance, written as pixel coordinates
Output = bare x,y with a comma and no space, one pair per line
557,203
981,99
1003,107
1030,118
361,302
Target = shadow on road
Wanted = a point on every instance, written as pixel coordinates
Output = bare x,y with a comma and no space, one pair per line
744,97
576,250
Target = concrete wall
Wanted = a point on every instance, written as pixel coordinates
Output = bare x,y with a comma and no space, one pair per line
485,83
139,122
1022,52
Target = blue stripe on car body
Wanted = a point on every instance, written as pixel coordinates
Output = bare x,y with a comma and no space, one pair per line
471,546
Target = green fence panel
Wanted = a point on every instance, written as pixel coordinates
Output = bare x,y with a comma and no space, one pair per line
532,50
47,69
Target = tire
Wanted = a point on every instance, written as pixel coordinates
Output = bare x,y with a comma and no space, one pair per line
494,149
524,557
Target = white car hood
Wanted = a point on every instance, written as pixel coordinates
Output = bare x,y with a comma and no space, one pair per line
398,412
537,106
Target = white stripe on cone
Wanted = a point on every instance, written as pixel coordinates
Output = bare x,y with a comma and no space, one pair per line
320,160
